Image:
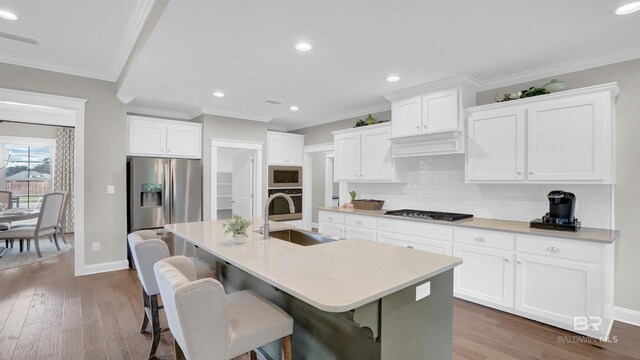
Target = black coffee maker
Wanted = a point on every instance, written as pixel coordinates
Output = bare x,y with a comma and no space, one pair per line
562,205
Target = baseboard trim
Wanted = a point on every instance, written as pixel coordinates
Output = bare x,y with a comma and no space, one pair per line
105,267
626,315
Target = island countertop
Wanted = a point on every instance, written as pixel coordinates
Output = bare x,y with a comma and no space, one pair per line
334,277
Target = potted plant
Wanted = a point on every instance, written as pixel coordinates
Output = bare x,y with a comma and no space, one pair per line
238,226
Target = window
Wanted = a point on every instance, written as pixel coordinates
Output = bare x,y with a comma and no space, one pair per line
28,172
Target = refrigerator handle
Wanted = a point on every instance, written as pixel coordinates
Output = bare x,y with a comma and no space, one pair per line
167,195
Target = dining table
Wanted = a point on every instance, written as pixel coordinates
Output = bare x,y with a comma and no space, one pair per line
12,215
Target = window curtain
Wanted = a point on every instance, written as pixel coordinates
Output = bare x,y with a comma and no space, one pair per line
63,176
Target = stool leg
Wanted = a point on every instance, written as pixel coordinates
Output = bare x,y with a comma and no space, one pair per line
145,305
21,245
179,353
155,325
285,348
253,355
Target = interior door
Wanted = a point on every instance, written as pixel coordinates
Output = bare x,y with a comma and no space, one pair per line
242,187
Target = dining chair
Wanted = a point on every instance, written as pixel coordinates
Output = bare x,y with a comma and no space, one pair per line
63,216
5,197
207,324
46,225
146,250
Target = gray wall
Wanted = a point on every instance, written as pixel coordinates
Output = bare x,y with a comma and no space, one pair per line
105,153
321,134
317,183
221,127
627,195
27,130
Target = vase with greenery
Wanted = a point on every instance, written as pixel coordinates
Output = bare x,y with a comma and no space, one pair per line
353,195
237,226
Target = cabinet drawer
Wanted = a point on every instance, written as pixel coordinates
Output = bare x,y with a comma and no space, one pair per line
494,239
434,246
332,217
416,228
559,248
361,221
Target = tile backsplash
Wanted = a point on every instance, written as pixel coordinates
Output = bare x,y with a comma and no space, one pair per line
437,183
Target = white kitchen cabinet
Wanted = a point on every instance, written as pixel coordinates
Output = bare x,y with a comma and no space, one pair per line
496,145
330,229
355,232
363,154
407,117
441,112
163,138
557,289
565,137
284,148
486,275
413,242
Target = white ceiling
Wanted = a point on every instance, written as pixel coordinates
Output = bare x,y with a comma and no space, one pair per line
86,38
246,49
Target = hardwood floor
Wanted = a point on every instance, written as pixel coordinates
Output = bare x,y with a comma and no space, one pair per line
47,313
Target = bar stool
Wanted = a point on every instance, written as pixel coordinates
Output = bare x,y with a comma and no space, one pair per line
207,324
146,250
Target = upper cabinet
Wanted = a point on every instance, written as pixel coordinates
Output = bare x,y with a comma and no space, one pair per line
565,137
163,138
363,154
430,124
284,148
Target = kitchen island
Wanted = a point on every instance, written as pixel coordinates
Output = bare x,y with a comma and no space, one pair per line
350,299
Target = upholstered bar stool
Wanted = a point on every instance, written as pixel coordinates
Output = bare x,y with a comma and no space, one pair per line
146,250
207,324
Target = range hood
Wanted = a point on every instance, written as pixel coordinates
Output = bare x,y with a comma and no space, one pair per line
441,143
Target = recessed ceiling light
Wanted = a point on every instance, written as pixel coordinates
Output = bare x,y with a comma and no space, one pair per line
393,78
627,9
218,94
8,15
294,108
303,46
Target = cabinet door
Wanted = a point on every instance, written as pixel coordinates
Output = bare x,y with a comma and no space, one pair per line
146,137
375,155
347,157
330,229
557,289
565,139
413,242
184,140
354,232
496,145
486,274
407,117
285,149
440,112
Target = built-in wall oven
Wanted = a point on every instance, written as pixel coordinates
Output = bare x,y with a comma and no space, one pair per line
279,207
285,176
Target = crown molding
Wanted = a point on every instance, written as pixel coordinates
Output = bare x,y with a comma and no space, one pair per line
134,28
158,112
137,20
626,54
235,114
41,99
464,80
342,116
125,99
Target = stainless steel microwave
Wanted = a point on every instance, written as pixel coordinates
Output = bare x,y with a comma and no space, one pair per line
285,176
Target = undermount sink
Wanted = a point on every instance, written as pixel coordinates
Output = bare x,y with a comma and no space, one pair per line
300,237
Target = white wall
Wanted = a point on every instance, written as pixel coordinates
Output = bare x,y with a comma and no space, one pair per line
437,183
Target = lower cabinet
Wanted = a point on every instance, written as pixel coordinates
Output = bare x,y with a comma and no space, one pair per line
354,232
486,274
435,246
557,289
330,229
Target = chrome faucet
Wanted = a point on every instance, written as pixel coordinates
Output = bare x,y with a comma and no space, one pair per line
292,209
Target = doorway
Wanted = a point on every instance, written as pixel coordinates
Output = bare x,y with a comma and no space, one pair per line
236,179
318,184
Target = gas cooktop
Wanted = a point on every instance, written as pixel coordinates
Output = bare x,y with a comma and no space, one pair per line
429,215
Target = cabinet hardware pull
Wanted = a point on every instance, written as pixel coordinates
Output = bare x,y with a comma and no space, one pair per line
553,249
359,222
330,217
506,260
530,172
519,262
519,172
410,247
424,126
481,239
417,127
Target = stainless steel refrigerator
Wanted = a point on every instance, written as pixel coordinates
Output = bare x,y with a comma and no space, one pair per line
163,191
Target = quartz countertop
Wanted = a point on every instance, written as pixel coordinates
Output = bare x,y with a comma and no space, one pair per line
603,236
334,277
